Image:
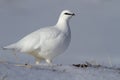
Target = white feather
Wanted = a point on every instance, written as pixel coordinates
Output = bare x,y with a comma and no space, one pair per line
46,43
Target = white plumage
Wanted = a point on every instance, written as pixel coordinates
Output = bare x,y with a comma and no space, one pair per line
46,43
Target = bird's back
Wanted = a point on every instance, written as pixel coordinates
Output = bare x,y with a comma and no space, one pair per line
35,39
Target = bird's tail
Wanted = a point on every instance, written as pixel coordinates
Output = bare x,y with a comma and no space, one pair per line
9,47
12,47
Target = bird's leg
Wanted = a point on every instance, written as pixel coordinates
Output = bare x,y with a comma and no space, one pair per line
37,61
49,61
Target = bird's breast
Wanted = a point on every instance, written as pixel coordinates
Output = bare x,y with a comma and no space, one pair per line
54,47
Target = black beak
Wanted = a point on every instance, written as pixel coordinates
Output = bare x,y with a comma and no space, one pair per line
73,14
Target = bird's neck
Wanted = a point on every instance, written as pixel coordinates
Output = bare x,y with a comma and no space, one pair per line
63,24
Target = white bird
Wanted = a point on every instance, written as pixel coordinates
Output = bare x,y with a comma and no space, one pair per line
46,43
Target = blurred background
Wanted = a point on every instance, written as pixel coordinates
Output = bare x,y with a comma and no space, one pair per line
95,28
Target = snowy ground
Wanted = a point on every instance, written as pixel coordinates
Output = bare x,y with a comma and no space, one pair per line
95,37
13,71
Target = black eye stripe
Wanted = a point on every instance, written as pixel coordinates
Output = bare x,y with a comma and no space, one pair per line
67,14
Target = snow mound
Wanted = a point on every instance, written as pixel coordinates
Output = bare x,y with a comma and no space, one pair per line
13,71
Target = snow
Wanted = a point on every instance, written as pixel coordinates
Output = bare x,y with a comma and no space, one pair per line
98,28
13,71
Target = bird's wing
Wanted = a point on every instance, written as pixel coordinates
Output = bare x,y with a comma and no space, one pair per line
47,34
34,40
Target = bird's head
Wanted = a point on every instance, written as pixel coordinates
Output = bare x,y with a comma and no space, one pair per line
66,14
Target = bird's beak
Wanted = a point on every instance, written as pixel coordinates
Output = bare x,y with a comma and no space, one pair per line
73,14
